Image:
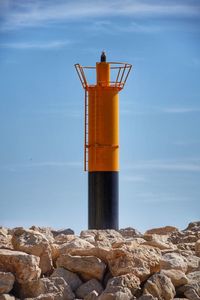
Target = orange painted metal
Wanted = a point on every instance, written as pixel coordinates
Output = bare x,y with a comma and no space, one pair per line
101,145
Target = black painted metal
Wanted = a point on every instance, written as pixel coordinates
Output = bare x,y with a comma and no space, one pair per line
103,56
103,200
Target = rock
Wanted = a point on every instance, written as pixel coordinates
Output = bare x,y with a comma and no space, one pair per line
130,232
5,239
116,293
193,226
103,238
173,261
7,297
129,281
6,282
76,243
56,286
159,286
91,296
88,287
87,266
191,291
167,230
35,243
177,277
159,241
45,231
194,277
197,248
67,231
25,267
147,297
193,263
71,278
63,238
141,261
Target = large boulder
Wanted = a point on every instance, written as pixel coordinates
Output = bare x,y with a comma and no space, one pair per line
71,278
159,286
141,261
173,261
87,266
167,230
6,282
25,267
193,263
5,239
197,248
177,277
75,243
35,243
89,286
129,281
55,286
158,241
130,232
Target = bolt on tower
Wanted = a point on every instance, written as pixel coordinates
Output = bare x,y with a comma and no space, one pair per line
101,140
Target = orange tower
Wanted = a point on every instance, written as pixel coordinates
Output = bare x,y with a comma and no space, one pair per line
101,143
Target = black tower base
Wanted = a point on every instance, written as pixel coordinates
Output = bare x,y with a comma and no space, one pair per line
103,200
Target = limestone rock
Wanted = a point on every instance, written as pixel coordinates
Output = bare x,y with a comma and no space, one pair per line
194,277
88,287
193,226
76,243
129,281
103,238
67,231
87,266
25,267
147,297
64,238
71,278
159,286
130,232
197,248
173,261
116,293
91,296
7,297
193,263
5,239
33,242
45,231
6,282
191,291
56,286
141,261
159,241
177,277
167,230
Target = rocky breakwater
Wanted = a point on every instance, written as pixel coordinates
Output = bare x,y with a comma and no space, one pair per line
41,263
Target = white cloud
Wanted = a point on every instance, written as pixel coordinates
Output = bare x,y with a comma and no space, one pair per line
23,13
36,45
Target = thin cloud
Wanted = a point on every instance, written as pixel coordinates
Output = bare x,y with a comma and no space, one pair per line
38,13
36,45
167,165
43,164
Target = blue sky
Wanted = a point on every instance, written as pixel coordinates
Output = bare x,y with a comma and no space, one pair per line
42,180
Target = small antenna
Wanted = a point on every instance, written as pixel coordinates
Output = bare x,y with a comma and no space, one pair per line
103,56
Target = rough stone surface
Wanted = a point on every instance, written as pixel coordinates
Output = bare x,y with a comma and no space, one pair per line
23,266
88,287
33,242
71,278
87,266
177,277
6,282
162,230
173,261
159,286
7,297
141,261
162,264
197,248
56,286
91,296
